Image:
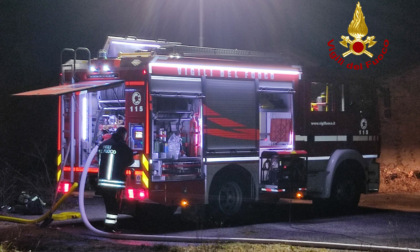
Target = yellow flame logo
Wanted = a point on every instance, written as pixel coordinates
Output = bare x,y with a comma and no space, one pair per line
358,29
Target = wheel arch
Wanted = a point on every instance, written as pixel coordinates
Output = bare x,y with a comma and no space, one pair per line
344,159
237,173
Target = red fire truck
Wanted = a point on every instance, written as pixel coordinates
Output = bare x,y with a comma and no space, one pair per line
215,127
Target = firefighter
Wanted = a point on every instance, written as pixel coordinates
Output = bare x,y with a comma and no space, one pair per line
114,157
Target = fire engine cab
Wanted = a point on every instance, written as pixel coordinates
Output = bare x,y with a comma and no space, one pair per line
216,127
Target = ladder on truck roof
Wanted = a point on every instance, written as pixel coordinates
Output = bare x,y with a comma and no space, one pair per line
191,51
70,65
116,45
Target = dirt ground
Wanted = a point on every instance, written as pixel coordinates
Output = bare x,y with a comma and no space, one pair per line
18,237
400,144
31,237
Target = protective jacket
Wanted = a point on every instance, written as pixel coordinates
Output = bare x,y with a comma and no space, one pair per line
114,157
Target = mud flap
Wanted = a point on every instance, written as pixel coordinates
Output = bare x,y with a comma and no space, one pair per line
373,177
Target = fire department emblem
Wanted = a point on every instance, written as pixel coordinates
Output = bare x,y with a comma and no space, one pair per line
363,124
136,98
136,62
358,29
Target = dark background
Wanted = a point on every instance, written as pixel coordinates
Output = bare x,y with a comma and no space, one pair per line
33,33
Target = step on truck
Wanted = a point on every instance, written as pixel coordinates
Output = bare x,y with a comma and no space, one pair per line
214,127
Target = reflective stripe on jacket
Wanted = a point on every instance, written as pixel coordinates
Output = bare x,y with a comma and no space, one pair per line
114,157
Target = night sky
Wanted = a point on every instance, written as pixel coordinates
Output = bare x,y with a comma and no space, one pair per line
34,32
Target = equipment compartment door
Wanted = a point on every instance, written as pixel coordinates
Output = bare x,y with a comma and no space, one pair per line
276,119
231,116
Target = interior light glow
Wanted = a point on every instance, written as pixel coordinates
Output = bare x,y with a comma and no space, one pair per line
172,78
227,68
84,118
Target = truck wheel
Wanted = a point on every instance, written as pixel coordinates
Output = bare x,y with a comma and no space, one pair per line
345,192
226,199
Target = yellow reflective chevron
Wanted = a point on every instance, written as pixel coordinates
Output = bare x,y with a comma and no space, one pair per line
145,162
145,180
58,164
59,159
144,177
58,175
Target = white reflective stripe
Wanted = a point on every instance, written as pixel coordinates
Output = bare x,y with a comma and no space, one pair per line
111,185
360,138
111,216
112,181
112,222
328,157
231,159
110,166
370,156
341,138
272,190
106,184
300,138
319,158
337,138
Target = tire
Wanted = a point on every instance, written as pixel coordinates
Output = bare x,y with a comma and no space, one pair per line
345,192
227,199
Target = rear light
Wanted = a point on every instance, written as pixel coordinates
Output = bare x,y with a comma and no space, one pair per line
128,172
64,187
136,194
130,193
142,194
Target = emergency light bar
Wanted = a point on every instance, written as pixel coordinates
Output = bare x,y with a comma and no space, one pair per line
132,43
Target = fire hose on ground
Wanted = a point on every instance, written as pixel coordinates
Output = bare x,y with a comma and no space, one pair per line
187,239
48,215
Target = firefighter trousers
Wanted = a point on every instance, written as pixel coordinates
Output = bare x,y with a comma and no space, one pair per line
112,199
